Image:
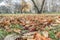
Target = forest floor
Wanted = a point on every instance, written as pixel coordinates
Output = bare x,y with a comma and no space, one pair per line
45,23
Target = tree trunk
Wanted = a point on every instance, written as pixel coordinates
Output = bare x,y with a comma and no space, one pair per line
42,6
35,5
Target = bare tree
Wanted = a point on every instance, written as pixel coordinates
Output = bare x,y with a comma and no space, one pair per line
42,5
35,5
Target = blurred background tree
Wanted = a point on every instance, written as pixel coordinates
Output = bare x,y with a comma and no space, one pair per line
30,6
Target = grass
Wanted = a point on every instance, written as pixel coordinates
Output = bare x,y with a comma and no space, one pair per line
29,14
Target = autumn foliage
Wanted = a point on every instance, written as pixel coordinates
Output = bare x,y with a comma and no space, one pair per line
29,21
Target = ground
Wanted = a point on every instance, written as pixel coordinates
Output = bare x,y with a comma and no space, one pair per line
40,22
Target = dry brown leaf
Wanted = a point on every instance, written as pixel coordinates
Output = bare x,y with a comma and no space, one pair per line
17,30
58,35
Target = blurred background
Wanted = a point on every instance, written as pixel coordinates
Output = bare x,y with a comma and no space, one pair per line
29,6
